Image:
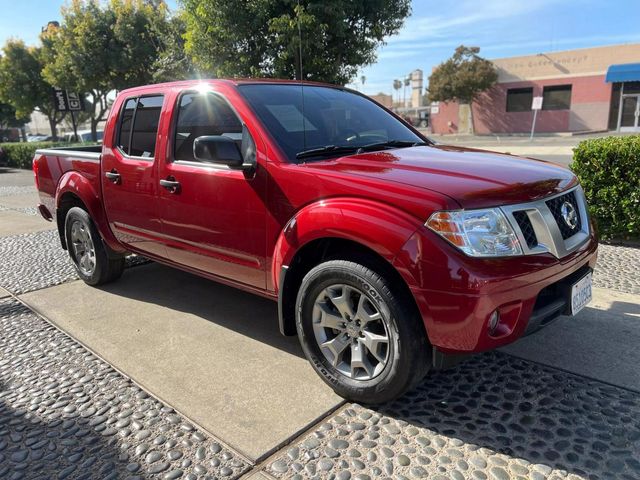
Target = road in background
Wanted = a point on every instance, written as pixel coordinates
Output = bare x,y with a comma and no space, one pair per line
557,148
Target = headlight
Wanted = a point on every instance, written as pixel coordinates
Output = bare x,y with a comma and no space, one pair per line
478,233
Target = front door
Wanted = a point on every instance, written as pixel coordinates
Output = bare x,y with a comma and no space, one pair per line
213,216
129,183
630,113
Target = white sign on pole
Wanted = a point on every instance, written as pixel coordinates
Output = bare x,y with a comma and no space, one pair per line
537,103
535,106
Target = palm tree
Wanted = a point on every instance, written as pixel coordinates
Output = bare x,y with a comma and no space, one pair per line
397,85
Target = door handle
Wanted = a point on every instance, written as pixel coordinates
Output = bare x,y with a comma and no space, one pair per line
170,184
113,175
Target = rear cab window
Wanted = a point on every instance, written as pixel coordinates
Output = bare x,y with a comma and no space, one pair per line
138,128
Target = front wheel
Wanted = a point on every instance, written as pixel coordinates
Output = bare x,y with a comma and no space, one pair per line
361,335
88,252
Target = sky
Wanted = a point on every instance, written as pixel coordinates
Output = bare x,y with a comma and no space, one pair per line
501,28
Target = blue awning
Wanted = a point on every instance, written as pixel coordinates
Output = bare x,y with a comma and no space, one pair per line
627,72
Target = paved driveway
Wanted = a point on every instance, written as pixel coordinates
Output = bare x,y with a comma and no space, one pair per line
167,375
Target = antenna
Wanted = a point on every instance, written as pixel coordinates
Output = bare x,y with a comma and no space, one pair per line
299,42
304,126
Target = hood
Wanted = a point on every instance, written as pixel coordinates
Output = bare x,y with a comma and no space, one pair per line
474,178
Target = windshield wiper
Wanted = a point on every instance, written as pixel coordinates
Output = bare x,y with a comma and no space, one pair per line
327,150
391,144
338,149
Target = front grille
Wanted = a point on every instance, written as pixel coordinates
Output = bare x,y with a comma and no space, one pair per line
527,229
555,206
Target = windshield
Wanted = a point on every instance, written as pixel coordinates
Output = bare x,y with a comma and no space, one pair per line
329,117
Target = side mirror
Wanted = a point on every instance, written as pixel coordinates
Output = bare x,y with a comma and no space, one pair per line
217,149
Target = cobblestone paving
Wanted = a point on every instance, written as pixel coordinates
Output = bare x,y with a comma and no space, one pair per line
493,417
618,268
36,260
66,414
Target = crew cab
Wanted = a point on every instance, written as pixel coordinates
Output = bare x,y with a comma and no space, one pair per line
388,255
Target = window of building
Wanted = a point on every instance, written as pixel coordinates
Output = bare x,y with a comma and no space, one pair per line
557,97
631,88
139,126
202,114
519,99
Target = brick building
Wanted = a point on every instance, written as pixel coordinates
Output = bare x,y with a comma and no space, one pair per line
591,89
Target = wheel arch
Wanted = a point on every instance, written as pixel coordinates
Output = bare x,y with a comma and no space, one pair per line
331,227
75,190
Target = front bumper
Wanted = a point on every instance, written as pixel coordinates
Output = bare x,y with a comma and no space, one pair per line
456,294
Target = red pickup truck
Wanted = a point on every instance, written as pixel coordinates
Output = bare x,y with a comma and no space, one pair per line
388,255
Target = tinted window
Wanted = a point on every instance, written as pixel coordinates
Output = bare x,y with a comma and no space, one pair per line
125,125
145,126
557,97
328,116
519,99
202,114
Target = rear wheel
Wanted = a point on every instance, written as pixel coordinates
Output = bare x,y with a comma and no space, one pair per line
362,336
94,263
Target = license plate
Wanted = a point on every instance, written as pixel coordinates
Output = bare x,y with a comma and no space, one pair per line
581,294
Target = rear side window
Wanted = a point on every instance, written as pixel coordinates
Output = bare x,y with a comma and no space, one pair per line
124,136
139,126
203,114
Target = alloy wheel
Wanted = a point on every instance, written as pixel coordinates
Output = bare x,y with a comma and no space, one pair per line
351,331
83,248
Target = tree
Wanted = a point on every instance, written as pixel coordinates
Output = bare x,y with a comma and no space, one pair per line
103,47
262,37
397,85
8,119
173,63
22,85
462,78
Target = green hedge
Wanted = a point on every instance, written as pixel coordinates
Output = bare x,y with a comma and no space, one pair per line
20,155
609,171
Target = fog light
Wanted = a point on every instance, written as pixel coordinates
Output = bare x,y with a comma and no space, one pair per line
493,322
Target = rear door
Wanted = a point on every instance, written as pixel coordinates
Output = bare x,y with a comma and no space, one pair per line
215,220
129,176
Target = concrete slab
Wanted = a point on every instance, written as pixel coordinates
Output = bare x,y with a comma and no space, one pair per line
16,177
212,352
601,342
4,293
21,200
257,475
15,223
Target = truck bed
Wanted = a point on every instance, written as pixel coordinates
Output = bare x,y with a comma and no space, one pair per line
84,151
51,164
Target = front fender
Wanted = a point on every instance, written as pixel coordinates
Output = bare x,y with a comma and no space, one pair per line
381,228
78,185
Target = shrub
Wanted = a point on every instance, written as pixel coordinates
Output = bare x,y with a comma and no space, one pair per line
609,171
20,155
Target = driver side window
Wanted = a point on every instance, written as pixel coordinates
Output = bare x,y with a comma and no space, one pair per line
201,114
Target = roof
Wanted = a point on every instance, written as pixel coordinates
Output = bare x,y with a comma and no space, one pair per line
626,72
232,81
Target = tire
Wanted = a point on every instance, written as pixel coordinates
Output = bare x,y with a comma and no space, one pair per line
365,375
94,263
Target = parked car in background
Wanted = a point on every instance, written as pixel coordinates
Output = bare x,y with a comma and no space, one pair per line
388,255
3,158
38,137
84,136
